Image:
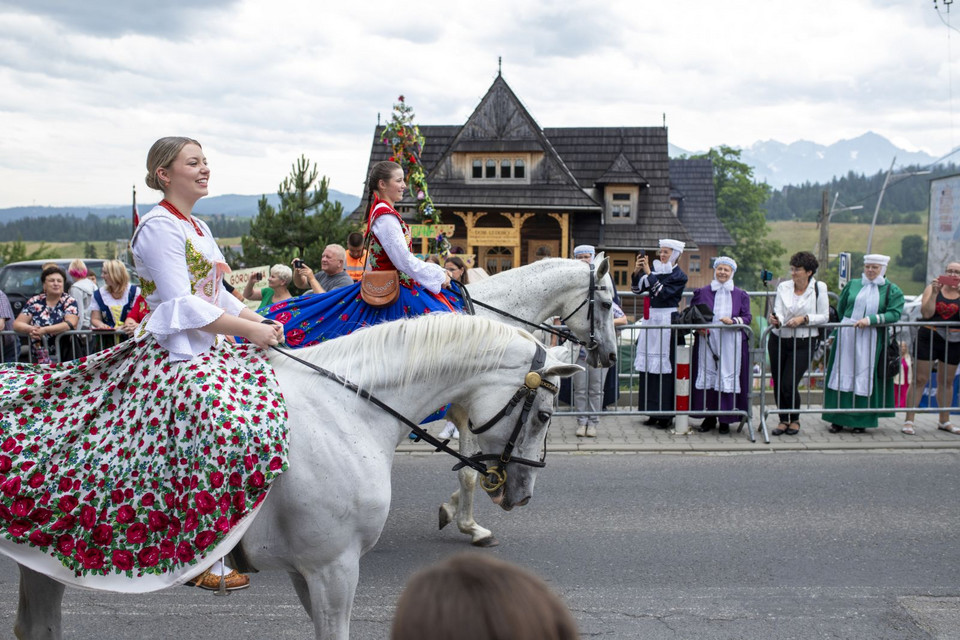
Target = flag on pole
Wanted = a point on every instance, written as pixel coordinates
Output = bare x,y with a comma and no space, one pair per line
136,214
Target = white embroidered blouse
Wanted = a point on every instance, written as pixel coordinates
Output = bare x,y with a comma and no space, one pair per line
181,274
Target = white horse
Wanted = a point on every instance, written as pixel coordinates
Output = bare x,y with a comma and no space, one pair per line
329,508
580,294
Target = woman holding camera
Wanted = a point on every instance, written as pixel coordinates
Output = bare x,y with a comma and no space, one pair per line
665,283
940,302
276,289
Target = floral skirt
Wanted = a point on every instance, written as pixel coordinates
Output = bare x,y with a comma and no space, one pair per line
124,471
311,319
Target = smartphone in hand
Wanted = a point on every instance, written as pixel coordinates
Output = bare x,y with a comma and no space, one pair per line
949,281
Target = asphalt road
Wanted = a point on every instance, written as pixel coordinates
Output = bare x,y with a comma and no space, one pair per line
788,545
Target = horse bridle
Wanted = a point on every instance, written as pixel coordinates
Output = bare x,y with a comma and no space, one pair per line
591,300
495,476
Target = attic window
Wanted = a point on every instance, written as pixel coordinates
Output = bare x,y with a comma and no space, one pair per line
499,167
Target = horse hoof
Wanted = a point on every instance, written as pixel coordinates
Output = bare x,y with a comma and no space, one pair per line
444,517
489,541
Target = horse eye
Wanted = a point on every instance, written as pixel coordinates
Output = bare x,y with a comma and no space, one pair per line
544,416
607,305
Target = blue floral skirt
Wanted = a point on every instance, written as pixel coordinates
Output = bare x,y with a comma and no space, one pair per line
310,319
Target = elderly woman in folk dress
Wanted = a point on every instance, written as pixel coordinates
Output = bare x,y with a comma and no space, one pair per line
852,379
721,357
654,360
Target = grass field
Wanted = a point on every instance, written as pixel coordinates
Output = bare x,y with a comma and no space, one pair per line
800,236
105,250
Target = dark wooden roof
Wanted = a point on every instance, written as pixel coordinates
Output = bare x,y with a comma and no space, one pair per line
577,164
692,181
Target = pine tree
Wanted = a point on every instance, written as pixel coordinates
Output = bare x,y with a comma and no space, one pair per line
305,222
89,251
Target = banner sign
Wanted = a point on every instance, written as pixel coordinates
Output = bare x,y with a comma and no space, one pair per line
943,232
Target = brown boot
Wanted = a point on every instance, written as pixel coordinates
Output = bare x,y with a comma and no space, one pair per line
233,581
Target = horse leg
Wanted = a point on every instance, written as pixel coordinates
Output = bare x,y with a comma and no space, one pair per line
38,612
303,592
460,506
331,589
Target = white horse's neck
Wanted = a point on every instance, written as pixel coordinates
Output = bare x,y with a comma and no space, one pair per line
414,366
534,292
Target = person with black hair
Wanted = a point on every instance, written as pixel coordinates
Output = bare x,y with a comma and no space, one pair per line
797,308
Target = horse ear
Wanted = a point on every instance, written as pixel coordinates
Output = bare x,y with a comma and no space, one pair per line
603,267
556,365
562,370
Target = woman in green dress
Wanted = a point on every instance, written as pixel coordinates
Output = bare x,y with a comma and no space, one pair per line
852,379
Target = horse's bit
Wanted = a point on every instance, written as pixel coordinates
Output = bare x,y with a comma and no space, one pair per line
493,477
591,343
496,475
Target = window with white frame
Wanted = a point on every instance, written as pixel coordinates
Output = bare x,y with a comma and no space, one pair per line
499,167
621,205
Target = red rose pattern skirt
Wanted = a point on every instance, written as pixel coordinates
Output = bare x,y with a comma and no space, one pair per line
126,472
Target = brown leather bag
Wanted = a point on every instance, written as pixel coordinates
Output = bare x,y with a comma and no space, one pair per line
380,288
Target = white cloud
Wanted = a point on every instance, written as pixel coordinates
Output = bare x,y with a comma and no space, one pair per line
89,86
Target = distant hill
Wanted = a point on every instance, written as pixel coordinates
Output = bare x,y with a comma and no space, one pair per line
227,205
782,164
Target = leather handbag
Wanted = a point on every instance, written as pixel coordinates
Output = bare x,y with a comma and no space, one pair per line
380,288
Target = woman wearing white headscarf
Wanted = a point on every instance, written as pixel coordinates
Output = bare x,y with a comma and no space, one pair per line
721,357
654,361
852,380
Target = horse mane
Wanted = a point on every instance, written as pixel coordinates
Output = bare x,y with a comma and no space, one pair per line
442,345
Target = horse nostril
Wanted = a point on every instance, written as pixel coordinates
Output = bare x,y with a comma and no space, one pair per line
613,357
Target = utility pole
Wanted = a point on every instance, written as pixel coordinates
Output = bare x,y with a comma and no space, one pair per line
824,256
886,182
823,253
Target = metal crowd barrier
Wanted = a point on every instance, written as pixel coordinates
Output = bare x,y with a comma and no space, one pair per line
77,343
815,381
627,355
810,384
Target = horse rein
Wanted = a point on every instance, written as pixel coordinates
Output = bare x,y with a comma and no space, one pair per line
492,477
565,334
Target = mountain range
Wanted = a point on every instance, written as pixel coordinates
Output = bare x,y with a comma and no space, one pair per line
777,163
780,164
228,205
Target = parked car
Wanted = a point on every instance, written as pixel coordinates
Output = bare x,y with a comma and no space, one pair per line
21,280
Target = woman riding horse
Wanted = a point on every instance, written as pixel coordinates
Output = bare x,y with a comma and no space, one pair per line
315,318
131,469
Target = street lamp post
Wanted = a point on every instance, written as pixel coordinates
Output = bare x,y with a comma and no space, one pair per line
886,181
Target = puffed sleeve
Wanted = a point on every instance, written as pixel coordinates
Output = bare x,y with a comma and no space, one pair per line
390,234
160,249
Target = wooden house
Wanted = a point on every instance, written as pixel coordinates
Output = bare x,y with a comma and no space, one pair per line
515,192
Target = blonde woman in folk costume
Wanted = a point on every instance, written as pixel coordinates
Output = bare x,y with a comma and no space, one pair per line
159,451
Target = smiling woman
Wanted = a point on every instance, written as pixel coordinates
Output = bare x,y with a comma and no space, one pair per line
158,401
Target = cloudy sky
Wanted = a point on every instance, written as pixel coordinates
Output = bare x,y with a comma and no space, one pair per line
87,86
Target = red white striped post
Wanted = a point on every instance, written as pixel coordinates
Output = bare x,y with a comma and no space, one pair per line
682,390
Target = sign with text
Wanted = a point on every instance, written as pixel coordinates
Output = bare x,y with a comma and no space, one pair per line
844,260
430,230
238,279
493,237
943,233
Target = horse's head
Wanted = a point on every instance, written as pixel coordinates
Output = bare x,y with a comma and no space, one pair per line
513,438
592,321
